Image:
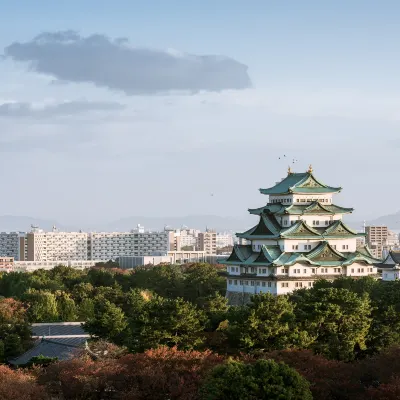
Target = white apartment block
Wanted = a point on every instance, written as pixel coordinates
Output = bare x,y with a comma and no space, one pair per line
56,246
41,246
110,245
224,240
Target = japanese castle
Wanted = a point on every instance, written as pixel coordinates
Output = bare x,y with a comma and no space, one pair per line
300,237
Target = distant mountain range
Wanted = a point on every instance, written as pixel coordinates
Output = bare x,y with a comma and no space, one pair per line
9,223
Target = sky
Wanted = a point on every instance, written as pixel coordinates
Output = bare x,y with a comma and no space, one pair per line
173,108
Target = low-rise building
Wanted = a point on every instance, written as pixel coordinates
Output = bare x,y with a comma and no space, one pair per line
390,267
171,257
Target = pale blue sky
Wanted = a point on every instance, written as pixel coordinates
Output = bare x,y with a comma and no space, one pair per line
325,91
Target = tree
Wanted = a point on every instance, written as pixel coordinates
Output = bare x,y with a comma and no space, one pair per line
86,310
14,328
100,277
66,307
82,291
202,280
265,379
19,385
109,321
14,284
170,322
165,280
267,323
43,306
337,320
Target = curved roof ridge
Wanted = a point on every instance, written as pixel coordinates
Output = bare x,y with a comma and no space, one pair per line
293,183
295,227
321,247
338,223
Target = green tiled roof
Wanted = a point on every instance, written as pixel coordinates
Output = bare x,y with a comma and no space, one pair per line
300,229
298,209
267,228
325,252
303,182
338,228
323,255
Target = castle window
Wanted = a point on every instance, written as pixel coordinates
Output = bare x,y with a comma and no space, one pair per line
309,283
269,284
235,282
263,284
252,283
304,270
230,281
264,271
313,270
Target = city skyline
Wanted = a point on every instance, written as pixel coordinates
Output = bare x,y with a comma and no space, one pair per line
313,83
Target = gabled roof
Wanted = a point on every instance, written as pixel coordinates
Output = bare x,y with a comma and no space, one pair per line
365,250
267,228
338,228
268,254
62,349
58,329
303,182
395,255
325,252
391,260
360,257
240,253
300,228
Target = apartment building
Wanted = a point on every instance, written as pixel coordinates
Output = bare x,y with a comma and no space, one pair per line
224,240
12,244
207,242
56,246
380,240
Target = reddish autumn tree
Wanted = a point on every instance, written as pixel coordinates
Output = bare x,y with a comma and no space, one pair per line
329,379
385,391
155,374
19,385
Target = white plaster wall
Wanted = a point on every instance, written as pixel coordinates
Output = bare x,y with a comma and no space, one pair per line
233,269
360,270
287,244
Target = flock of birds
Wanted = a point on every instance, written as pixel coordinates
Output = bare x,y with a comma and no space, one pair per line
284,156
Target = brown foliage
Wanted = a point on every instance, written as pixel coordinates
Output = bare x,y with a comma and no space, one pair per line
11,311
155,374
18,385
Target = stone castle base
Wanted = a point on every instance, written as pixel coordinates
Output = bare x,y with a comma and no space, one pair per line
238,298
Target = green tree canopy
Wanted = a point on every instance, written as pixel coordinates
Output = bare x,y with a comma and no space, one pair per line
337,320
265,379
43,306
267,323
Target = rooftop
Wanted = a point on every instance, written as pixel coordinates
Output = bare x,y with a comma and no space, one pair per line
300,183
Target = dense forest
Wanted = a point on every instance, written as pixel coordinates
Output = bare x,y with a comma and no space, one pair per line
171,334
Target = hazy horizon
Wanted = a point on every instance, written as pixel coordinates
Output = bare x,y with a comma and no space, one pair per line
111,110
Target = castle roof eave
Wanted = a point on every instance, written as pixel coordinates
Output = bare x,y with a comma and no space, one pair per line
297,183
